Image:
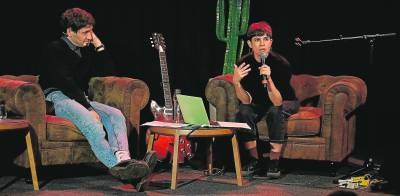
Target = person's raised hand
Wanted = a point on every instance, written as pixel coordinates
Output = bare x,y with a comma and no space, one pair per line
95,40
240,72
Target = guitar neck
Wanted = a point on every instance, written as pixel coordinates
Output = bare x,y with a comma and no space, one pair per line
165,80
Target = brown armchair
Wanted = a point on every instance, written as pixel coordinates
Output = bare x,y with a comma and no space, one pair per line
56,140
325,126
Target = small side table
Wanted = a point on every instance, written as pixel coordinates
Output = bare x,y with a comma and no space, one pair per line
9,125
203,132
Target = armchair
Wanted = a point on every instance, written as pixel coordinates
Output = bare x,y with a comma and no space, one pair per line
325,126
56,140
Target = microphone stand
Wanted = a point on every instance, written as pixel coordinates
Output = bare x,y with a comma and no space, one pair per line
368,163
371,38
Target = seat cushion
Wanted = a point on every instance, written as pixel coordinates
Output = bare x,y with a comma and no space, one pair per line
306,122
227,77
61,129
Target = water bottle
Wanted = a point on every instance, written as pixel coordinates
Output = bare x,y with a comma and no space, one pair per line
177,111
3,112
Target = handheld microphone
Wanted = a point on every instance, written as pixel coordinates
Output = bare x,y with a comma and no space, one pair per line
264,77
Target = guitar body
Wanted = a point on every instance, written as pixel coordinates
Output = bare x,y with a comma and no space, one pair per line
164,145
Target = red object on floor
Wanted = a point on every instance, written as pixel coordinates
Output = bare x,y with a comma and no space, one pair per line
125,187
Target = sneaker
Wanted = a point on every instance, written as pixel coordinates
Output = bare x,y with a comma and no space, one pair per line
261,170
130,169
253,166
260,174
273,169
122,155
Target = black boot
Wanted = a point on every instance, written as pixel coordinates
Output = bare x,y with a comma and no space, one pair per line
151,159
130,169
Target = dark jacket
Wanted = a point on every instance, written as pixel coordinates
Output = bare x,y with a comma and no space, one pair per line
64,70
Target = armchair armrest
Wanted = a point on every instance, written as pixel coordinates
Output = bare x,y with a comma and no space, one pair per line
353,87
220,93
338,102
26,99
127,94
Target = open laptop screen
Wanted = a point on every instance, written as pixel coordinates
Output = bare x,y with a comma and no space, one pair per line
193,110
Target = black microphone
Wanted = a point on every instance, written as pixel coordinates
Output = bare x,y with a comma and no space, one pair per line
264,77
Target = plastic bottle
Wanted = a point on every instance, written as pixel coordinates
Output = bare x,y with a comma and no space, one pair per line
177,111
3,112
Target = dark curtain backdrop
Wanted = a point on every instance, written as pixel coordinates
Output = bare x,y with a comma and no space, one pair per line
194,54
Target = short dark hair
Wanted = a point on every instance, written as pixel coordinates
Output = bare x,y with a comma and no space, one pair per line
258,32
76,18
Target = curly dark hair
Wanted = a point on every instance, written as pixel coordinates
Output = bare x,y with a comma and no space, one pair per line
76,18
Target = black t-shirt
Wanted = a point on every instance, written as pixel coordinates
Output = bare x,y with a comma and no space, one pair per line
280,73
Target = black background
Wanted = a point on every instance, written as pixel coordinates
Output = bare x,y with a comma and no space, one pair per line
194,54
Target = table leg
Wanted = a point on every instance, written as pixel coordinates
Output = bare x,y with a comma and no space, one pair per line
150,142
175,162
238,166
31,161
210,159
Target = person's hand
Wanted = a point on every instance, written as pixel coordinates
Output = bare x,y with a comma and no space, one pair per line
240,72
94,115
265,70
95,40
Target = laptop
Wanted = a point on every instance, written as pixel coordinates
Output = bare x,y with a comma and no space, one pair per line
194,113
193,110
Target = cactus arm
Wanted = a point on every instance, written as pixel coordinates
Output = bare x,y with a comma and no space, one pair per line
244,24
245,17
220,30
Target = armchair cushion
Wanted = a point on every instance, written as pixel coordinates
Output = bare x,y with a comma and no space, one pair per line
227,77
306,122
61,129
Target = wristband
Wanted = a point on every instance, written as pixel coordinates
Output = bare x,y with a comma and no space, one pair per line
99,48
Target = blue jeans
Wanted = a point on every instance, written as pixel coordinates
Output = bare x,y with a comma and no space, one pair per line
112,119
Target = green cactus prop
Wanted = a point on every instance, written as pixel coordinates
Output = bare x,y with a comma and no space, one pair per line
238,18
